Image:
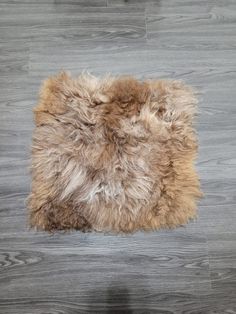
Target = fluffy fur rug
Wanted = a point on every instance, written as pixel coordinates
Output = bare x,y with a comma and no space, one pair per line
113,154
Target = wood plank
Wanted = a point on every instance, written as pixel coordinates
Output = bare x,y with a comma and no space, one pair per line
74,23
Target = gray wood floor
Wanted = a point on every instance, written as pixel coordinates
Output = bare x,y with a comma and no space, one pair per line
188,270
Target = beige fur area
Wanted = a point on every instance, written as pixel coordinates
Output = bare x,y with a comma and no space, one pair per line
113,154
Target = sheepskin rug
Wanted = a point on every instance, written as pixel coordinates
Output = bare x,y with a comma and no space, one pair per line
113,154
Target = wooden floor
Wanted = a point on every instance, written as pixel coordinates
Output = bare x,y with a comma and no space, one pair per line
189,270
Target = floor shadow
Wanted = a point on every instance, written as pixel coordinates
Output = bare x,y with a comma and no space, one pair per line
118,300
115,299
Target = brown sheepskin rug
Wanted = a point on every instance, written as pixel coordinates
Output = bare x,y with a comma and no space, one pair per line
113,154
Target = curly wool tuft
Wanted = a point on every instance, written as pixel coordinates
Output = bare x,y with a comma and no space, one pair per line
113,154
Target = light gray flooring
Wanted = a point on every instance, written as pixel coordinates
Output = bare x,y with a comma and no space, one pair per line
189,270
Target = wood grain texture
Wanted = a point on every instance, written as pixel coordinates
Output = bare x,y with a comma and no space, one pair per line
188,270
70,22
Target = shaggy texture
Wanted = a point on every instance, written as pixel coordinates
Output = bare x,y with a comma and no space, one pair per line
113,154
